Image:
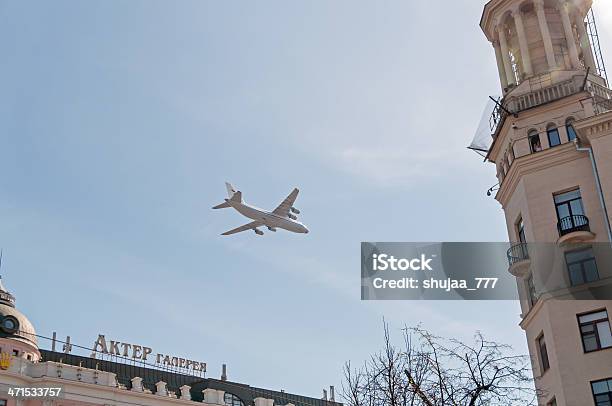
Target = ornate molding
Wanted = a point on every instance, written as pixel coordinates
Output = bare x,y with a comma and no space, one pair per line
595,126
532,163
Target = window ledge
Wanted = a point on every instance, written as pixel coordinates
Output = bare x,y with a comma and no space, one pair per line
599,350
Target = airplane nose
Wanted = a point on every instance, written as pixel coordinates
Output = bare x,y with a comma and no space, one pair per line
305,230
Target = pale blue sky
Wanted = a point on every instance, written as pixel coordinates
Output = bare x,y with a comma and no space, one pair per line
120,121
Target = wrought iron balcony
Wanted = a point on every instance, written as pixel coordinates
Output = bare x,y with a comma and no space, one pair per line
517,253
572,224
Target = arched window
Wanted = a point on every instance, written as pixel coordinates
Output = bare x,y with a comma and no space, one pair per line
571,132
232,400
553,136
534,141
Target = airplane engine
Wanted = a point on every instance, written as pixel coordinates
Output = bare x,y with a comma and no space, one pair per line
292,217
294,210
258,232
272,229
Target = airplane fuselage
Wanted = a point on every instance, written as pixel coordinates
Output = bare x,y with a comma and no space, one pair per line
269,219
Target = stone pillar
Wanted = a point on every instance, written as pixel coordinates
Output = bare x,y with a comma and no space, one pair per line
505,55
260,401
185,392
548,46
213,396
569,34
520,31
563,135
585,45
160,388
221,397
500,65
137,384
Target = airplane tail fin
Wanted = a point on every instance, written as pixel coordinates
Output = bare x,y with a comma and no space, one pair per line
230,190
234,196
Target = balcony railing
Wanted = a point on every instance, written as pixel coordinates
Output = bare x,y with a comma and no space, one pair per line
574,223
517,253
545,95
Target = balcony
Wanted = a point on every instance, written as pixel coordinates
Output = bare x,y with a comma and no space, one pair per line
572,224
574,229
518,259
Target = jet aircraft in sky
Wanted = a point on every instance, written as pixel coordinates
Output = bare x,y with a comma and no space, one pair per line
284,216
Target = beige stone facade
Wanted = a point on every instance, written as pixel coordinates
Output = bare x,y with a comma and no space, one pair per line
552,148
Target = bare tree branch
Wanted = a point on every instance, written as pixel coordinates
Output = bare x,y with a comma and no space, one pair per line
435,371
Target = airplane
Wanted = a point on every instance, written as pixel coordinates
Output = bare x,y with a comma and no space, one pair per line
284,216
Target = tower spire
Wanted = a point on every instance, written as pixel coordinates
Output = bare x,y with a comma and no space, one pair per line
5,296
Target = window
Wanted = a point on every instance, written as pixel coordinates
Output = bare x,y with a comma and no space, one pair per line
595,331
16,353
602,392
534,142
520,230
2,402
232,400
581,266
9,325
544,363
571,132
533,296
553,136
570,212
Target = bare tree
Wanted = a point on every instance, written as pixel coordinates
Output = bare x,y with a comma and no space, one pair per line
429,370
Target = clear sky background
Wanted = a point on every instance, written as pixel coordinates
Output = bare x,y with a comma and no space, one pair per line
120,121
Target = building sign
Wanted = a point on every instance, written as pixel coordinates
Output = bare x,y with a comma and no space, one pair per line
143,353
5,361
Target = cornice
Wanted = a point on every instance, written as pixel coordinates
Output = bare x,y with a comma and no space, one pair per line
532,163
595,126
526,115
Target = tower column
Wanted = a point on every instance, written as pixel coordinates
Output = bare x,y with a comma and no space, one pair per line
569,34
500,65
548,46
585,45
505,54
520,30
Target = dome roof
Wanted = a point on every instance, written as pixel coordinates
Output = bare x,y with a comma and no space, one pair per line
14,324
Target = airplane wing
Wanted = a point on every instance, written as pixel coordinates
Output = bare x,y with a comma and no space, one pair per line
283,208
245,227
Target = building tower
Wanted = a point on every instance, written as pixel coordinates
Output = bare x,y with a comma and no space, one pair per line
17,335
552,146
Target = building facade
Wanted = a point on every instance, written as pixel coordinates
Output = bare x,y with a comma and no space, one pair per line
552,146
92,379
